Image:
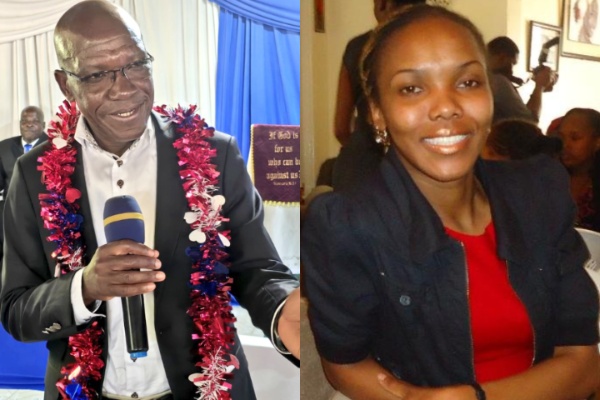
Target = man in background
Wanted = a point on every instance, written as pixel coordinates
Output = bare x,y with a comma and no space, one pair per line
503,55
32,134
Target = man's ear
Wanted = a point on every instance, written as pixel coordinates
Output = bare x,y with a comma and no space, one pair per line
61,79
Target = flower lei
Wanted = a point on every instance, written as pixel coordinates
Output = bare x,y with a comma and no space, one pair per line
209,280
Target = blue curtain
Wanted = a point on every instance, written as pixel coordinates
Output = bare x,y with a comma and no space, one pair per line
258,67
282,14
22,365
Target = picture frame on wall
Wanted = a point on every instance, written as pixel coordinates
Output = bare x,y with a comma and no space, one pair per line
580,31
544,47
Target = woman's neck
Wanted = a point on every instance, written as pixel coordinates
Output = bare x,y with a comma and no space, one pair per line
462,206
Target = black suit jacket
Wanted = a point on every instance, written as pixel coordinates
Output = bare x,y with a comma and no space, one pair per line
10,150
32,299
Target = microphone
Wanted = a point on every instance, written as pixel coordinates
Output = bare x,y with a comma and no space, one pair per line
123,220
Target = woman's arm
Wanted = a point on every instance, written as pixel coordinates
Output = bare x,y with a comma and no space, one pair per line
358,380
363,381
571,374
344,107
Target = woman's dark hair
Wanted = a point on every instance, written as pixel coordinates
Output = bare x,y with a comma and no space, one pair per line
379,37
518,139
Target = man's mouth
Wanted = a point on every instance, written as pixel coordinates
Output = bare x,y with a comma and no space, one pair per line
127,113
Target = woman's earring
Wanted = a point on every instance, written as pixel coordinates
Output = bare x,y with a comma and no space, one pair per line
382,137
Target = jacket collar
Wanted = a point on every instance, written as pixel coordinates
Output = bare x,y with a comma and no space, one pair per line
396,198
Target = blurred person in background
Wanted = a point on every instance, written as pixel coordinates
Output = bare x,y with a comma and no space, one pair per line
579,130
503,55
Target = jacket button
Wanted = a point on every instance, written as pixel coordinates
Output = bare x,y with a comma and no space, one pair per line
405,300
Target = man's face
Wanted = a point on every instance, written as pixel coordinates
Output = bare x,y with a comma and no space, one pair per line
116,110
32,126
507,63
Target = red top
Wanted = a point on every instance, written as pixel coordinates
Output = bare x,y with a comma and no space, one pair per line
501,330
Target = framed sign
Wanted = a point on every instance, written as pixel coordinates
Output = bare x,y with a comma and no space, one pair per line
580,34
543,46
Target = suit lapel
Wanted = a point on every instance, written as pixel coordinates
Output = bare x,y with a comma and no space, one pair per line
16,147
170,202
41,140
87,230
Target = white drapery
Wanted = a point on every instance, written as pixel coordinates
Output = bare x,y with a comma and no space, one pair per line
181,35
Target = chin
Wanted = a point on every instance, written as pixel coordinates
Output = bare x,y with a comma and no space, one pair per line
453,173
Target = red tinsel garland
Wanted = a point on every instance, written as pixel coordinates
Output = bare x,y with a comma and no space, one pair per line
211,308
209,280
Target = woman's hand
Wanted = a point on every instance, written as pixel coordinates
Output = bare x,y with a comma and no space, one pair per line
406,391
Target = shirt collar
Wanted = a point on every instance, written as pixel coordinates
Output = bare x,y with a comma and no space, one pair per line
85,138
32,143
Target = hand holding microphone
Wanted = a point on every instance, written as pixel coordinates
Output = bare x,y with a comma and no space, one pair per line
122,268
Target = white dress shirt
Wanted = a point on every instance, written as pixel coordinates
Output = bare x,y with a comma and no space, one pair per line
106,175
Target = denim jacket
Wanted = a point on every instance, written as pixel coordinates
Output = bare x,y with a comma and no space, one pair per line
384,280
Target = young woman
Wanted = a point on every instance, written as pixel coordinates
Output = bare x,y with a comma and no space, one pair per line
448,277
580,132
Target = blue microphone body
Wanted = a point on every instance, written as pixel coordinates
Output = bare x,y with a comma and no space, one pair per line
123,220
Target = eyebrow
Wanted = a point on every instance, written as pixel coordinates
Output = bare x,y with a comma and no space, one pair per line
461,67
101,65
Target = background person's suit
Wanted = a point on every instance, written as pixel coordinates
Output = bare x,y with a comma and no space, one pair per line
10,150
31,300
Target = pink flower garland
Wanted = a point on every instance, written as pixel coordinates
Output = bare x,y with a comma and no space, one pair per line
209,280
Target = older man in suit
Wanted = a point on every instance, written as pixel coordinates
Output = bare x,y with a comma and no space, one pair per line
32,134
119,146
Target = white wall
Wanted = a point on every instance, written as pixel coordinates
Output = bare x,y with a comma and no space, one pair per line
321,55
577,86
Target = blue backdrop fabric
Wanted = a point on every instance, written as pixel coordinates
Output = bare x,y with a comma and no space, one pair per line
282,14
22,365
258,76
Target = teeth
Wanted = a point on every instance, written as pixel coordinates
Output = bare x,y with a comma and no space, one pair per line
445,140
126,114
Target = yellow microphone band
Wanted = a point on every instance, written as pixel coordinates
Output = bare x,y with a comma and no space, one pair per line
122,216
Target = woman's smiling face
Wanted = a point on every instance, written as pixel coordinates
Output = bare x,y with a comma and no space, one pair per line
433,97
